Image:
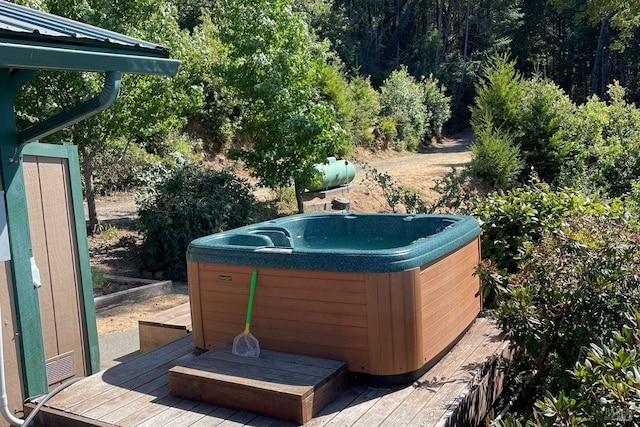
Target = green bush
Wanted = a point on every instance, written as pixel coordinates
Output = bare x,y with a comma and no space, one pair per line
495,157
388,130
609,385
366,101
117,167
604,142
523,214
545,108
402,99
397,197
530,111
438,106
457,193
577,283
499,94
334,88
185,203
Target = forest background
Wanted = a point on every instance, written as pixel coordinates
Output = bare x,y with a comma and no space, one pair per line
301,80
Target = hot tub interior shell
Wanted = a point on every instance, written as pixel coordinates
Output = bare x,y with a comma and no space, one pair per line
389,324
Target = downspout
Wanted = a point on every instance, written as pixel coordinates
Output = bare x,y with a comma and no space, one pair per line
72,116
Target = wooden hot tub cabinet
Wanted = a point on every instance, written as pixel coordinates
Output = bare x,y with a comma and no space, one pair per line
392,326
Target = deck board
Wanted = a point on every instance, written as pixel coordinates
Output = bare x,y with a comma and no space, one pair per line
135,393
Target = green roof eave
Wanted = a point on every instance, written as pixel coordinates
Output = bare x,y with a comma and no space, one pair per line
53,58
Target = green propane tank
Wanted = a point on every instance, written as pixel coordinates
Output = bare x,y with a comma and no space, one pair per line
334,173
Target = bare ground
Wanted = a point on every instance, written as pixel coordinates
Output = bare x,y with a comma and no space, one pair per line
114,249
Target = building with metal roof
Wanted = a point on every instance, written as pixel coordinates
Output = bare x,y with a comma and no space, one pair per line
30,39
31,307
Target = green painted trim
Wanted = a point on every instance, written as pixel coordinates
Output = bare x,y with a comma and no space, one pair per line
70,152
45,150
51,58
19,78
26,302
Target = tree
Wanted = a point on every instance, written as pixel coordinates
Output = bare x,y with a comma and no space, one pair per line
275,64
148,107
402,99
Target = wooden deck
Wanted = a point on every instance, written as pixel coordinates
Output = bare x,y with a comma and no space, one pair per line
456,391
163,327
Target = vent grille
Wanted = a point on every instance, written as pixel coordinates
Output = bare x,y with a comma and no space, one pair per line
60,368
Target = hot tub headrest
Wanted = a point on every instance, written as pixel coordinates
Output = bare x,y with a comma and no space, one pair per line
255,240
279,236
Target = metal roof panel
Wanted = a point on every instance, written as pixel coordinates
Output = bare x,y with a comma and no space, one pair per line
29,26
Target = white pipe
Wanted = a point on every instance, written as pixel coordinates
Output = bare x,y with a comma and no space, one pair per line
4,401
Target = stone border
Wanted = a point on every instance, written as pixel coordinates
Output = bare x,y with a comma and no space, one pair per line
151,289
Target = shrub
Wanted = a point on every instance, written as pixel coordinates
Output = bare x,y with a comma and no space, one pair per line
366,101
189,202
605,144
545,108
495,157
499,94
398,198
438,106
116,167
457,193
524,214
529,111
388,131
609,385
334,89
402,98
578,282
119,165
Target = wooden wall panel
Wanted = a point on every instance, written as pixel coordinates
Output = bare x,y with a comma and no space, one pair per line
56,253
377,342
63,258
12,368
413,318
383,311
37,228
193,278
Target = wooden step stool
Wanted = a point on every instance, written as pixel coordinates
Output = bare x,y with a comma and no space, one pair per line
282,385
163,327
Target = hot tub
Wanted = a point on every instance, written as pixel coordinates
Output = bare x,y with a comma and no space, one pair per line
389,294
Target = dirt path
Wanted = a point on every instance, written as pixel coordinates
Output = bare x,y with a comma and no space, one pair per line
414,170
434,161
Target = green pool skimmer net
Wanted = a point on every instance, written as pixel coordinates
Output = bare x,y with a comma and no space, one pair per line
245,344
